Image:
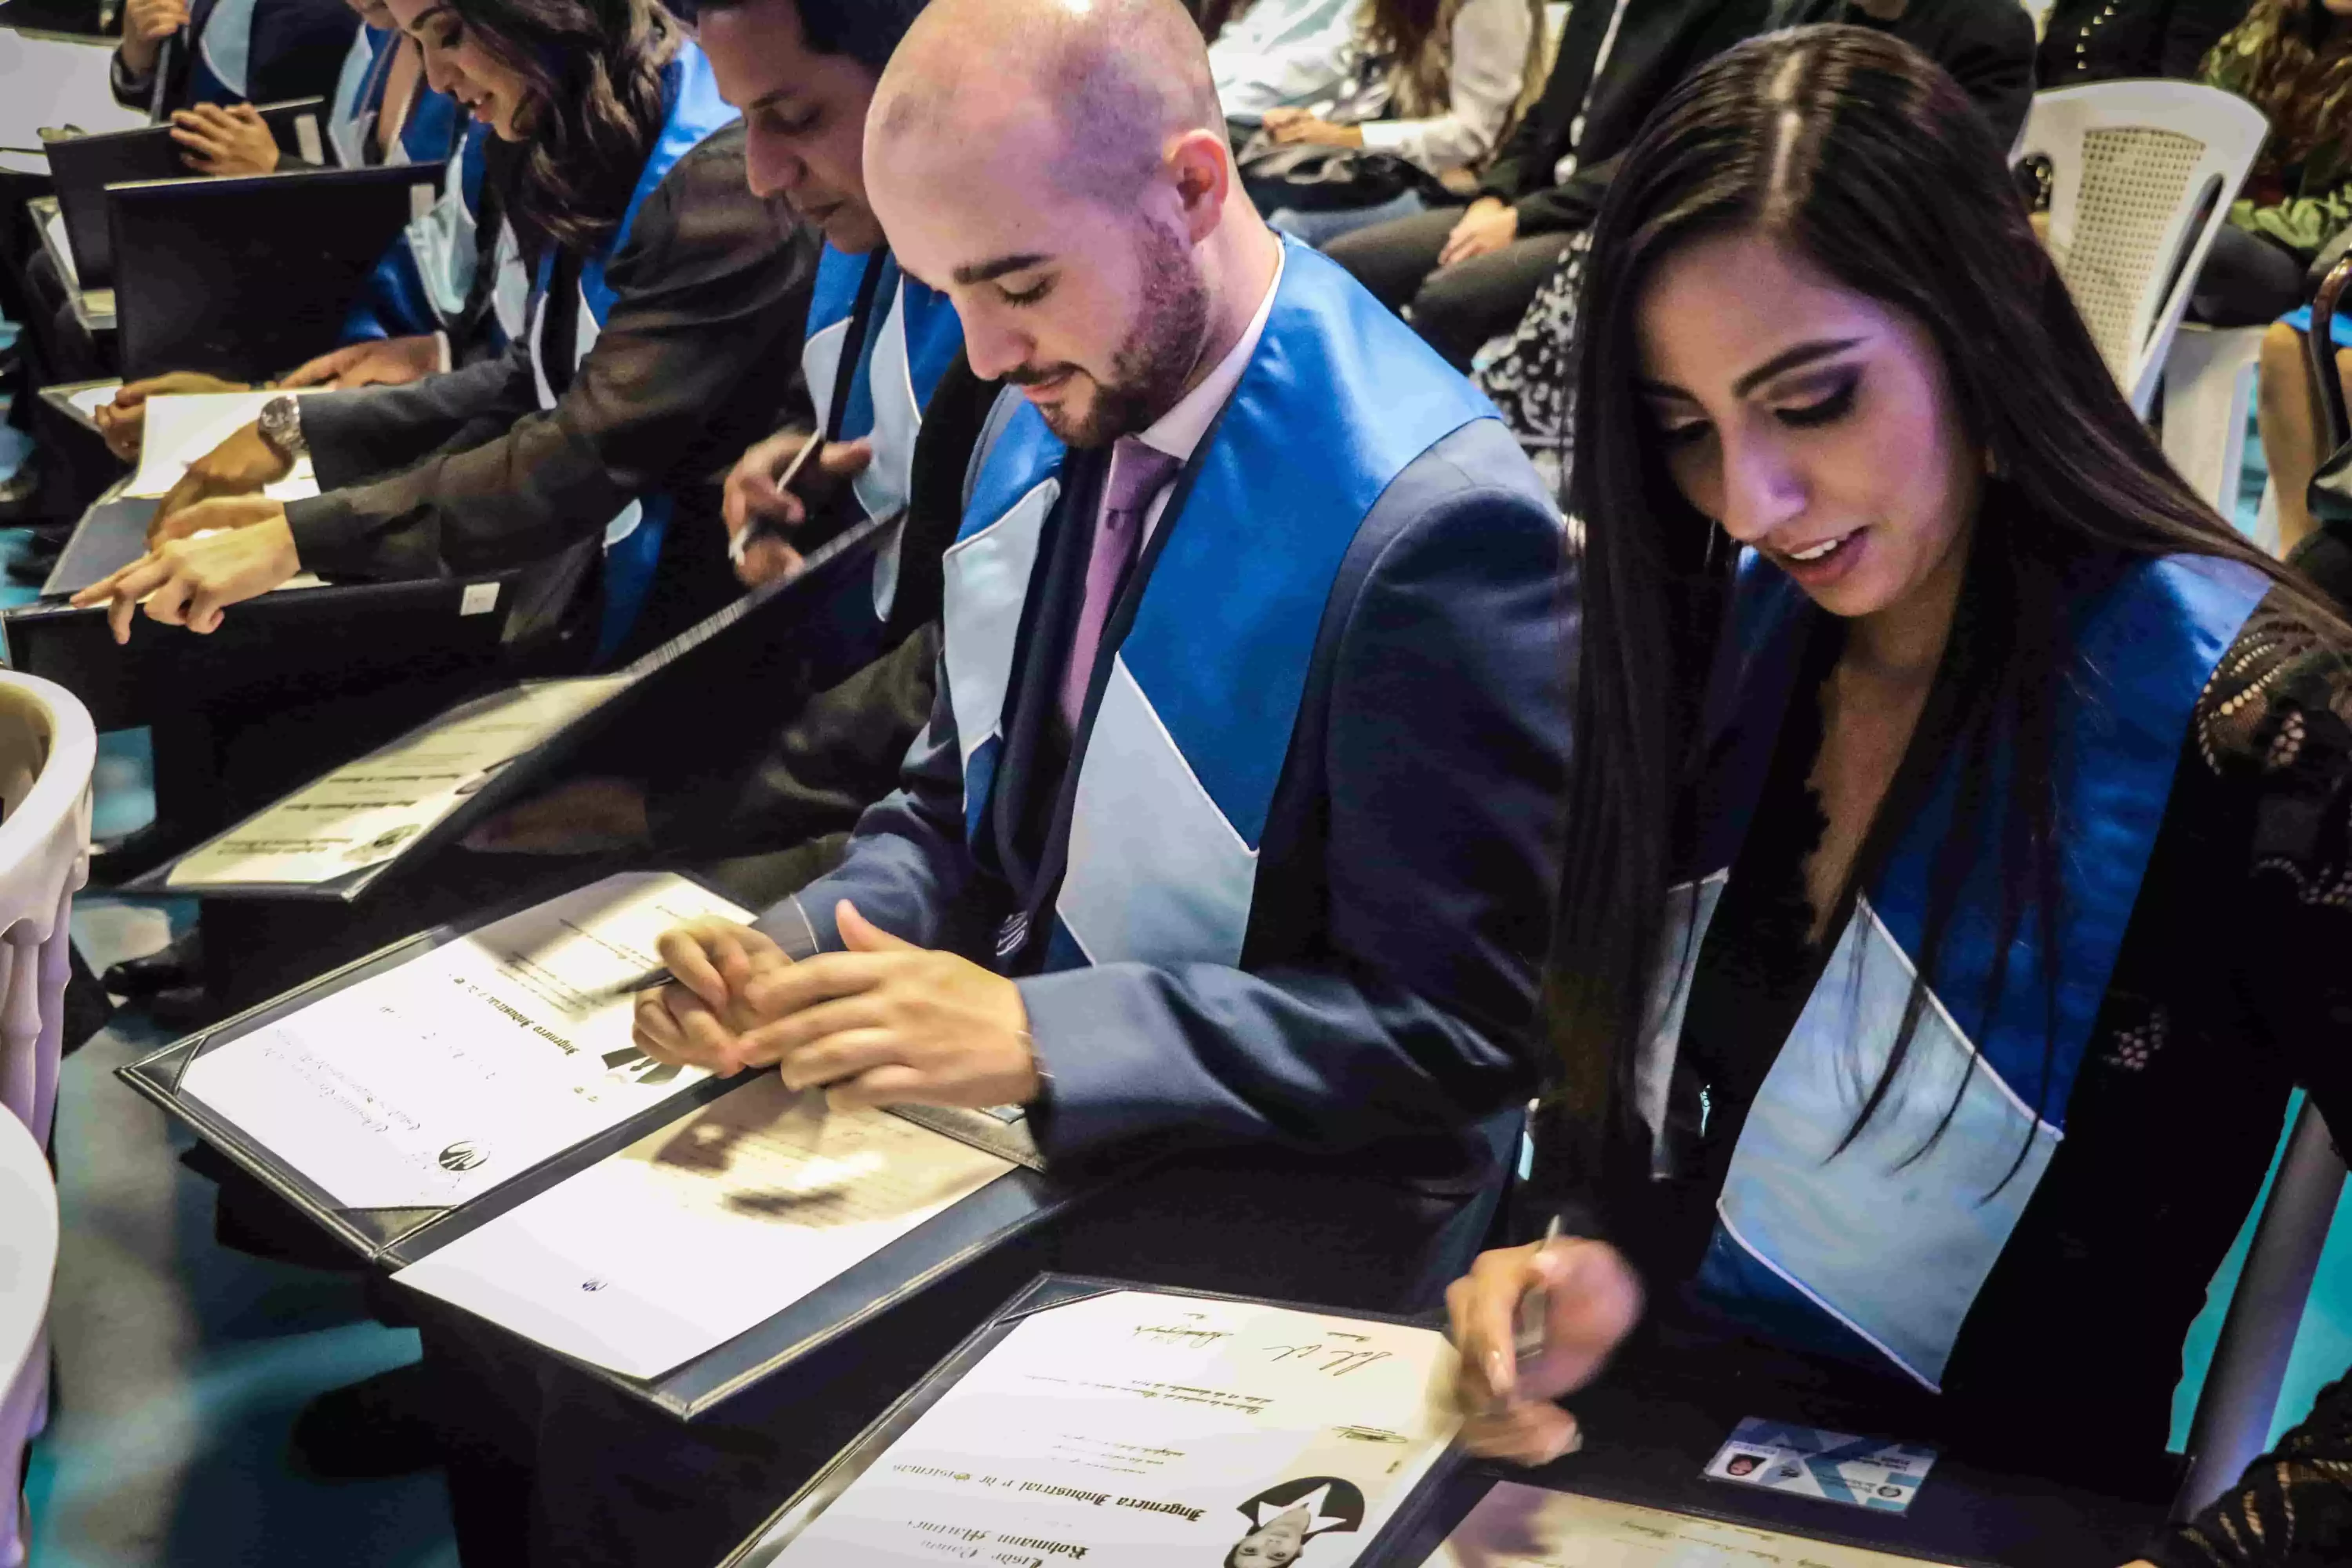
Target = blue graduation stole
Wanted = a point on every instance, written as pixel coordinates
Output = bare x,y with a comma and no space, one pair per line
911,336
359,94
1875,1255
222,33
632,538
420,283
1178,766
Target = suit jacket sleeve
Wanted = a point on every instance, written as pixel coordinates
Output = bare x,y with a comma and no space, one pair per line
712,294
909,869
355,437
1407,1009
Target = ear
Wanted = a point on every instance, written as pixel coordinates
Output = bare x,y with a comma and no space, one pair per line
1201,168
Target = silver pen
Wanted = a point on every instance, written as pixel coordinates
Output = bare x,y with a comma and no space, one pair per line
1534,1308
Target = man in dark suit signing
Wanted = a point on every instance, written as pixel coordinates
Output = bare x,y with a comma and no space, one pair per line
1231,841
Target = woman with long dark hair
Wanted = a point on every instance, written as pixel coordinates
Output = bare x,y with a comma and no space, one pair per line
1957,807
1435,84
660,342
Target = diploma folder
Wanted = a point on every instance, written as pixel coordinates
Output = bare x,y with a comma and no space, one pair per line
392,1238
1648,1442
1392,1546
248,276
792,617
83,167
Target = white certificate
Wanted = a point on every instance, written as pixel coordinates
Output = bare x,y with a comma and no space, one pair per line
1516,1526
430,1083
363,813
1155,1431
700,1231
177,430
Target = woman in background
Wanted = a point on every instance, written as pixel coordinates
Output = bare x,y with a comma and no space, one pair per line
2293,60
665,312
2109,40
1438,83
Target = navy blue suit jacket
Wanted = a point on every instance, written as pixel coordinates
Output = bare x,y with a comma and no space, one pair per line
1383,1010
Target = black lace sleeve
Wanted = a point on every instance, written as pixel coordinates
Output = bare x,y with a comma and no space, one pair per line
2275,729
2274,726
2294,1508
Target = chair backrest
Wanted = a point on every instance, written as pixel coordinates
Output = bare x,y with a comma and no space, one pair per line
2143,174
2234,1409
48,751
28,1254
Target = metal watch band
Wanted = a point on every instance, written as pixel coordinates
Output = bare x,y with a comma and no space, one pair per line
281,424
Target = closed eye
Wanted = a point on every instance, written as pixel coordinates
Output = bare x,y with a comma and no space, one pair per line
1825,411
1684,432
1029,295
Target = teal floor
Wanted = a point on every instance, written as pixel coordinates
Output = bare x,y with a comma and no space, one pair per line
180,1365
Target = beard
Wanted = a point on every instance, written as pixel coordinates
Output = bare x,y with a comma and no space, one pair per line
1148,370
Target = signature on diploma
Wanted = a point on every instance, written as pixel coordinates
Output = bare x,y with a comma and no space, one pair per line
1337,1359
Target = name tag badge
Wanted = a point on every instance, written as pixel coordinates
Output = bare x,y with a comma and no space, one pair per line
1861,1472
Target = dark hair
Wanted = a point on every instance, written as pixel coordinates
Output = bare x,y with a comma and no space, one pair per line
1401,27
1854,149
594,70
867,31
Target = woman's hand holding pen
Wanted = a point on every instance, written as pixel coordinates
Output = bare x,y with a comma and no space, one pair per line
1590,1302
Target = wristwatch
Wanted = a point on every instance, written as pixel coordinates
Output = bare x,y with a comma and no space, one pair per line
281,425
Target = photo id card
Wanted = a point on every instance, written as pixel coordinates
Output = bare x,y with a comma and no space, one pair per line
1861,1471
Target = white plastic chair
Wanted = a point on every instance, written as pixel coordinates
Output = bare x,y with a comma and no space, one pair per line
28,1257
2209,391
48,750
2143,174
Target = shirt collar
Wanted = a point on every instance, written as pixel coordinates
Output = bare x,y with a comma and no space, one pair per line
1178,431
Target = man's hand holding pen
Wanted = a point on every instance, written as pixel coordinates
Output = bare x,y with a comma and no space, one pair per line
882,1023
769,494
1590,1302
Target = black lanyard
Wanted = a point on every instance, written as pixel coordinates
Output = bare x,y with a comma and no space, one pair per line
853,343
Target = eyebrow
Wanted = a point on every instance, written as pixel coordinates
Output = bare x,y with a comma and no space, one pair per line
1779,365
770,100
981,271
412,28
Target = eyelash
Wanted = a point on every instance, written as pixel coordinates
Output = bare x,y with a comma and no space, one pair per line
1812,416
1029,295
1828,411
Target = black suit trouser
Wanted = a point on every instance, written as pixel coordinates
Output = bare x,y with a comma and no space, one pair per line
1455,309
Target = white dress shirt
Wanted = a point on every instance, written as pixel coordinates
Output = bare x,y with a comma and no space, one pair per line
1281,53
1488,71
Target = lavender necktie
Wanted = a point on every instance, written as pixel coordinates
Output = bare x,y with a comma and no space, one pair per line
1136,473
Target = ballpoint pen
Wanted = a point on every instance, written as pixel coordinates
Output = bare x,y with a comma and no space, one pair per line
1535,1306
